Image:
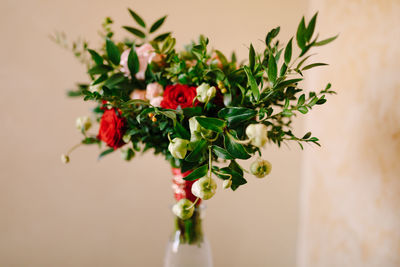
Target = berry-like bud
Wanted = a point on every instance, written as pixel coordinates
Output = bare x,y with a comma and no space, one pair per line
257,133
260,168
83,123
227,184
183,209
224,91
64,158
126,138
178,148
154,119
205,92
151,115
197,131
204,188
221,85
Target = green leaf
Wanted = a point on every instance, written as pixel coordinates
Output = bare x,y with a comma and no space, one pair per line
157,24
236,114
135,31
271,35
233,148
137,18
197,173
169,114
133,61
300,35
313,65
101,79
310,28
187,166
192,111
272,68
112,52
252,82
212,124
237,178
287,113
236,167
283,70
137,102
162,37
301,100
221,153
114,80
303,109
105,152
99,69
326,41
181,131
321,101
252,57
288,52
302,61
96,57
307,135
197,152
90,140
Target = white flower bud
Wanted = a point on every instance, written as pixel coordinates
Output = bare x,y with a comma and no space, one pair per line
227,184
96,88
196,130
260,168
204,188
178,148
257,133
183,209
64,158
83,123
205,92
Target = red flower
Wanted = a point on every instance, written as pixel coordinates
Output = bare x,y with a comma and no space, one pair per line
179,95
112,128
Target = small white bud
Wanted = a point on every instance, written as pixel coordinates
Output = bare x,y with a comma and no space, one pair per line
227,184
178,148
257,133
205,92
183,209
126,138
204,188
260,168
83,123
64,158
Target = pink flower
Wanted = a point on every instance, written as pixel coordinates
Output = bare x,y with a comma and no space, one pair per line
124,63
145,55
138,94
153,90
156,102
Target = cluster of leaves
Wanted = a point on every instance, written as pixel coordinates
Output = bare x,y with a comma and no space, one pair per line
264,90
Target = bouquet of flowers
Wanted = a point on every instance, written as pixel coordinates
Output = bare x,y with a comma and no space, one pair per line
203,111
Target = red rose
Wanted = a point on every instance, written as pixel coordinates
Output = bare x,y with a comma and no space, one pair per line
112,128
179,95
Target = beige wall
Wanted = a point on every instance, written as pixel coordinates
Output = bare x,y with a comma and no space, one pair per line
351,187
112,213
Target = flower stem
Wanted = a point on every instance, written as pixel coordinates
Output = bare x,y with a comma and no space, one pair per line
73,148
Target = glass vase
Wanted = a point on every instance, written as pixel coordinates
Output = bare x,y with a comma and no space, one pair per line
187,246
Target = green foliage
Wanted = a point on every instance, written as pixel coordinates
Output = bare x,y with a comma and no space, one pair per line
266,90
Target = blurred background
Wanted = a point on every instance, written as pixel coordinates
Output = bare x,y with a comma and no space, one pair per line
332,206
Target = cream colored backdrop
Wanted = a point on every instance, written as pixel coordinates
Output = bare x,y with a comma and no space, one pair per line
113,213
351,187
